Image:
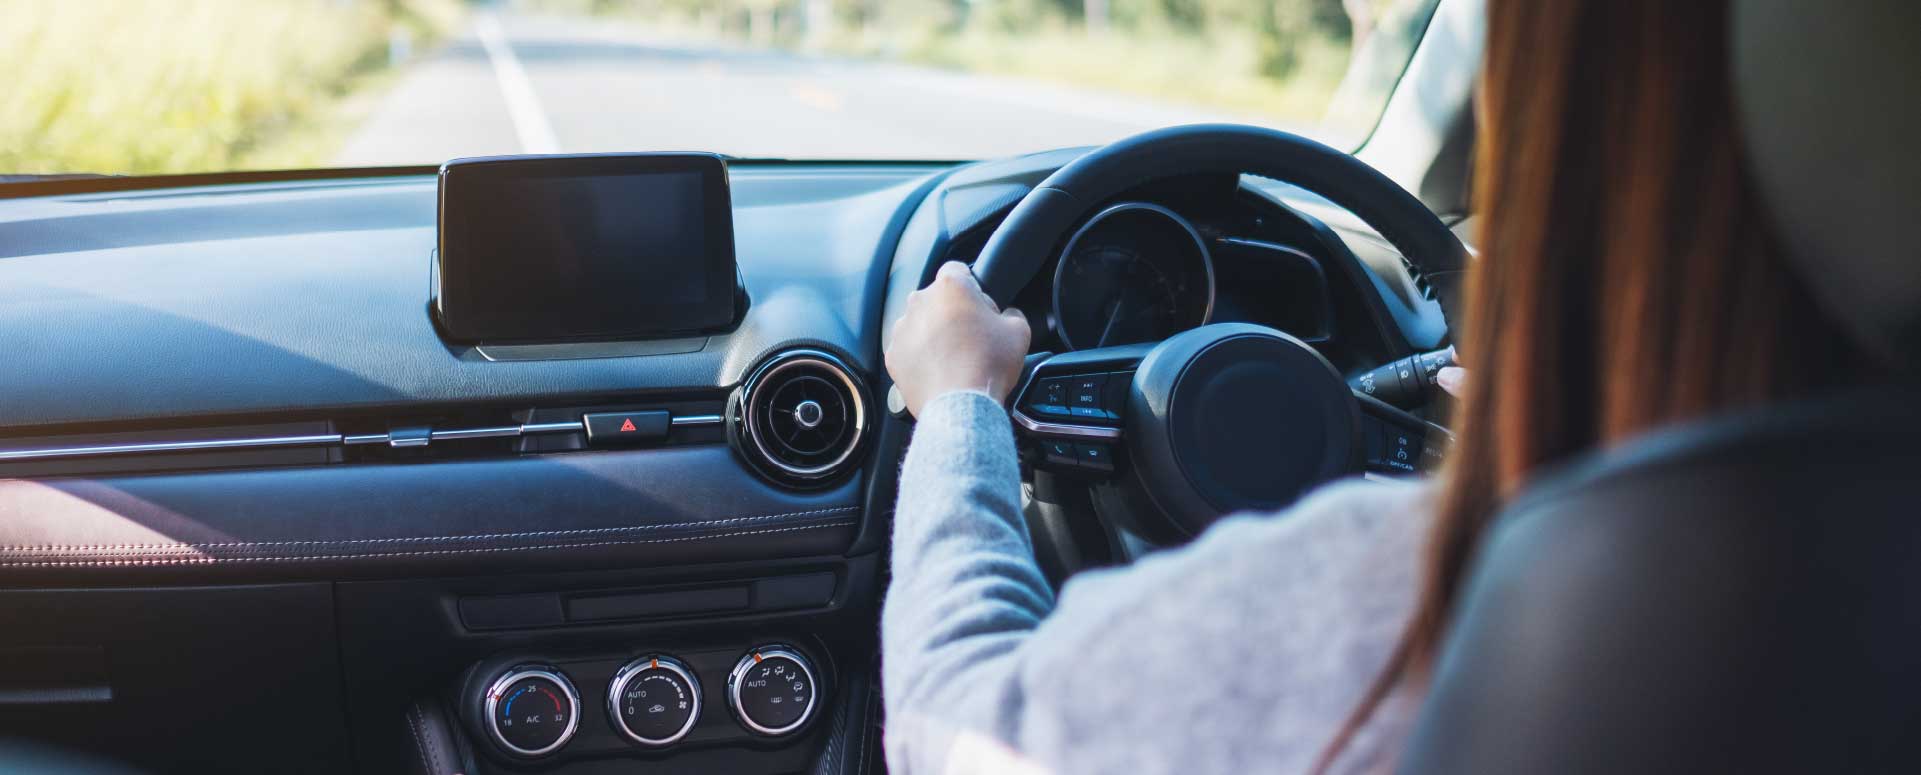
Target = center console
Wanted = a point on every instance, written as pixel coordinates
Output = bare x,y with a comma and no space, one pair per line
765,668
586,705
722,669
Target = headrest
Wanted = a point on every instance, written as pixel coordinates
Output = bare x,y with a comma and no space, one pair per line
1827,94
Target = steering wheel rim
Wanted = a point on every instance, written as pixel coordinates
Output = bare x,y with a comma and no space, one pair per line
1025,241
1224,417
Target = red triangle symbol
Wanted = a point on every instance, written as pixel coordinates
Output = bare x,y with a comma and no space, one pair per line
627,425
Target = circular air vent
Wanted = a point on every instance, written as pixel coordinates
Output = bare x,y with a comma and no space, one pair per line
800,417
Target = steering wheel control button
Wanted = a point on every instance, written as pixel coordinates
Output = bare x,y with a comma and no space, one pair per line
1089,412
1095,457
1049,398
532,710
1059,454
1052,392
772,691
654,700
1052,410
1087,391
612,428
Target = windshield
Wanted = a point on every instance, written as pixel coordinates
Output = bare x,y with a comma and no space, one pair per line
172,86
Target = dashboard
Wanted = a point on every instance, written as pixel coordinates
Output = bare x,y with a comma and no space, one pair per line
256,513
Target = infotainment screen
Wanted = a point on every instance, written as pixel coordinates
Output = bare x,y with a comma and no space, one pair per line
593,247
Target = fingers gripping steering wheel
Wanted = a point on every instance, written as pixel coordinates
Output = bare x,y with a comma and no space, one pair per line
1224,417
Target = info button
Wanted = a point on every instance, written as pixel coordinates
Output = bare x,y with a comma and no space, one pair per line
626,427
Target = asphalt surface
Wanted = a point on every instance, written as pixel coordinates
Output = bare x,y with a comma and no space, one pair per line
512,84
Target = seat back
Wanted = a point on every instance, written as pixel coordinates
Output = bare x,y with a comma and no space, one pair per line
1739,595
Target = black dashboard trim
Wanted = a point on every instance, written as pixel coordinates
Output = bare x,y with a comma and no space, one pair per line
100,184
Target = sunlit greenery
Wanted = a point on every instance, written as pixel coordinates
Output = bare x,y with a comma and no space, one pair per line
154,86
158,86
1280,58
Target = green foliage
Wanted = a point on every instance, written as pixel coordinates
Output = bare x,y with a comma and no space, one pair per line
161,86
1281,58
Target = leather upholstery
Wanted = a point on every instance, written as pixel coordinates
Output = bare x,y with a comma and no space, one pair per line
678,505
1738,595
853,746
1827,99
440,750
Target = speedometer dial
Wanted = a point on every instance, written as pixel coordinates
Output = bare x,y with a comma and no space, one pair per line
1137,272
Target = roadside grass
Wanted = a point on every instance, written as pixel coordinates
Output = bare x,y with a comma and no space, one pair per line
169,86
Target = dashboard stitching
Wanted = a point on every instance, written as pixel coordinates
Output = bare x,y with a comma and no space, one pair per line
421,553
4,549
413,725
830,761
865,730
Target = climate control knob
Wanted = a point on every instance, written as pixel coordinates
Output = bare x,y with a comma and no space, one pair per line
654,700
532,710
772,691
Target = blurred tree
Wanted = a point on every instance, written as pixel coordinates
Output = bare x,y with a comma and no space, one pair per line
1269,39
1290,23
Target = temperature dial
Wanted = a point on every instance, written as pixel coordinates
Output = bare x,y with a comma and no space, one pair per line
772,690
532,710
654,700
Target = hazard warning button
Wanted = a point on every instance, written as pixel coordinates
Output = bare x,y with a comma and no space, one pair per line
608,428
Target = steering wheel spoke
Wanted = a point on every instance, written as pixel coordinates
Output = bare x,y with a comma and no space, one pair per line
1070,410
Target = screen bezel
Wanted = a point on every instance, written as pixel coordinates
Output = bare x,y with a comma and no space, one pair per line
497,176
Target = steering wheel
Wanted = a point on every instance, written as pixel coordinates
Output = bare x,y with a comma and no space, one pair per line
1224,417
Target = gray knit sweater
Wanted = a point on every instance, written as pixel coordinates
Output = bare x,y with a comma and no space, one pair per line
1241,652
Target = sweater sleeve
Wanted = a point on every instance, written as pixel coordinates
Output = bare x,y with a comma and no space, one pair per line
1253,640
966,592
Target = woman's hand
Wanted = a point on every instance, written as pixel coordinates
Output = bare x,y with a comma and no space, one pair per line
952,338
1452,379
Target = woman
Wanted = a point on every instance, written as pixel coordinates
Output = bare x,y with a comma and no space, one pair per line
1627,282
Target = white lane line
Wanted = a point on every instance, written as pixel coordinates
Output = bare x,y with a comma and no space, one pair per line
523,106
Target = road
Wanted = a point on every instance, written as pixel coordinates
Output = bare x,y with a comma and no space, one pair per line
515,84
